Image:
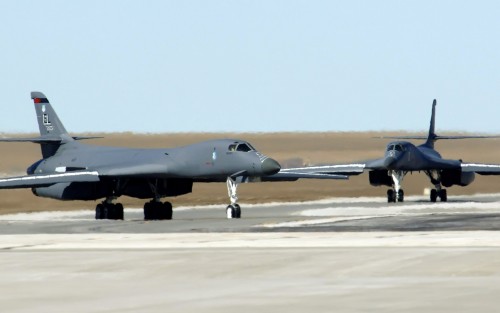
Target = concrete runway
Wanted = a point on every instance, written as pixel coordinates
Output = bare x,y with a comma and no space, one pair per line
343,254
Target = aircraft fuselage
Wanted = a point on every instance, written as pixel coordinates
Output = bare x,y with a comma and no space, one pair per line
174,169
405,156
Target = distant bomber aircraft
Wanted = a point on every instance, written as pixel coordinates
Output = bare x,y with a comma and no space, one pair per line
70,170
402,157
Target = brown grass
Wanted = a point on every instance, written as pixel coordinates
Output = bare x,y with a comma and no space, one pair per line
287,148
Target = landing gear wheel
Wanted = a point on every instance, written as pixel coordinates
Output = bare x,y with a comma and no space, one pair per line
149,211
443,195
119,211
155,210
229,212
233,211
401,195
391,196
167,211
109,211
99,211
434,195
237,211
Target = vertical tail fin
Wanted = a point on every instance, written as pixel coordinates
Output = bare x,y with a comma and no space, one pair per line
52,131
51,127
432,137
48,121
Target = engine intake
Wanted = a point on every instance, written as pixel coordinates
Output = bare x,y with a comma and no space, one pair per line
380,178
456,177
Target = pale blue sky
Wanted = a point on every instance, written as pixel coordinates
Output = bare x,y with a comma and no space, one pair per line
258,66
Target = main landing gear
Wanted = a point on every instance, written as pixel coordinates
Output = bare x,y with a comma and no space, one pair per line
396,194
441,193
438,192
153,210
233,210
157,210
107,210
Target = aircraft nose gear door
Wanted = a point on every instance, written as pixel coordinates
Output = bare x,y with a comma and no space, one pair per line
233,210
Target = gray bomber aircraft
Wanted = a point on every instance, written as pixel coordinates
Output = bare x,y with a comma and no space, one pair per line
402,157
70,170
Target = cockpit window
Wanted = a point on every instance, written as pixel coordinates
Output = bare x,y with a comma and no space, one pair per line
395,147
232,147
243,147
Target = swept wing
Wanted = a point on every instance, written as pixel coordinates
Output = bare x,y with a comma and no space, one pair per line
481,169
40,180
295,174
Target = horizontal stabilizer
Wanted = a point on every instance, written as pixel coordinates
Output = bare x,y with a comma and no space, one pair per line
39,140
43,139
435,138
87,137
465,137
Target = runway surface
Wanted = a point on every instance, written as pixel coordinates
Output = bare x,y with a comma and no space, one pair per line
343,254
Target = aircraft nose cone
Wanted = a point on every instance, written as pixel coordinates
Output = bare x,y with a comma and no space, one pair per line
270,166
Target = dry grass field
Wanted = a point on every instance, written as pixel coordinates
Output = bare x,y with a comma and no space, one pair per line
288,148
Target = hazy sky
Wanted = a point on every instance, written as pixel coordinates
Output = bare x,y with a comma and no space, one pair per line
258,66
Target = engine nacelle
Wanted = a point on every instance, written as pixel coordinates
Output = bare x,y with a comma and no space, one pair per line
73,191
380,178
456,177
136,188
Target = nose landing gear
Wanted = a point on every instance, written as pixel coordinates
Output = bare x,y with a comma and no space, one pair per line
233,210
396,194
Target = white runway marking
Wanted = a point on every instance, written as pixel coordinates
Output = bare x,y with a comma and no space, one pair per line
248,240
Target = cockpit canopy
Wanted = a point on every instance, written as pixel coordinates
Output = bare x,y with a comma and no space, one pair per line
243,147
396,147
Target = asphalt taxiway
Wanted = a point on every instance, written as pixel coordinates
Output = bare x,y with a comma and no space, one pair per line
344,254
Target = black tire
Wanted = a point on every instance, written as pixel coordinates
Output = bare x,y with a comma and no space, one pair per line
111,209
105,212
167,211
237,211
434,195
99,211
443,195
119,215
147,211
401,195
391,196
230,212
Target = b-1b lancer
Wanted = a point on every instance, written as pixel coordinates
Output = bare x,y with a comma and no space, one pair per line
70,170
402,157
